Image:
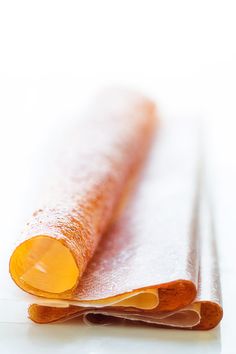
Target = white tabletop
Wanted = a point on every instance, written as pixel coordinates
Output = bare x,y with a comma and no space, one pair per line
74,338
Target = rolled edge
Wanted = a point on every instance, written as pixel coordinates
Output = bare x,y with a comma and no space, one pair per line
23,253
211,315
176,295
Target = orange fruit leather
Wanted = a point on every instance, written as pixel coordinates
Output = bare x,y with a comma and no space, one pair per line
96,171
146,268
156,262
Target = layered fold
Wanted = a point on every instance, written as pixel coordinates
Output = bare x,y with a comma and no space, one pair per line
209,289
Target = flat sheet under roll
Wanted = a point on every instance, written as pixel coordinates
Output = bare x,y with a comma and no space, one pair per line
156,261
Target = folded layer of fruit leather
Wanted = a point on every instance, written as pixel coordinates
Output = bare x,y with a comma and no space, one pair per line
146,267
209,290
92,180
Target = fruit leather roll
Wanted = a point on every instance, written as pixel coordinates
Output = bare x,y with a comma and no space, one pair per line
92,181
146,267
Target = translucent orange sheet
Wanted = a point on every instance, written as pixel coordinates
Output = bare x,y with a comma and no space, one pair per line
150,266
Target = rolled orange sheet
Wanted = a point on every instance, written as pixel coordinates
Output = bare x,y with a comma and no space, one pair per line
147,267
94,177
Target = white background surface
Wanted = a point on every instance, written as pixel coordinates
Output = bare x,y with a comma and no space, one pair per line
53,56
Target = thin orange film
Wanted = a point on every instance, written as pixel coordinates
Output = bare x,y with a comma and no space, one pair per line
46,264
